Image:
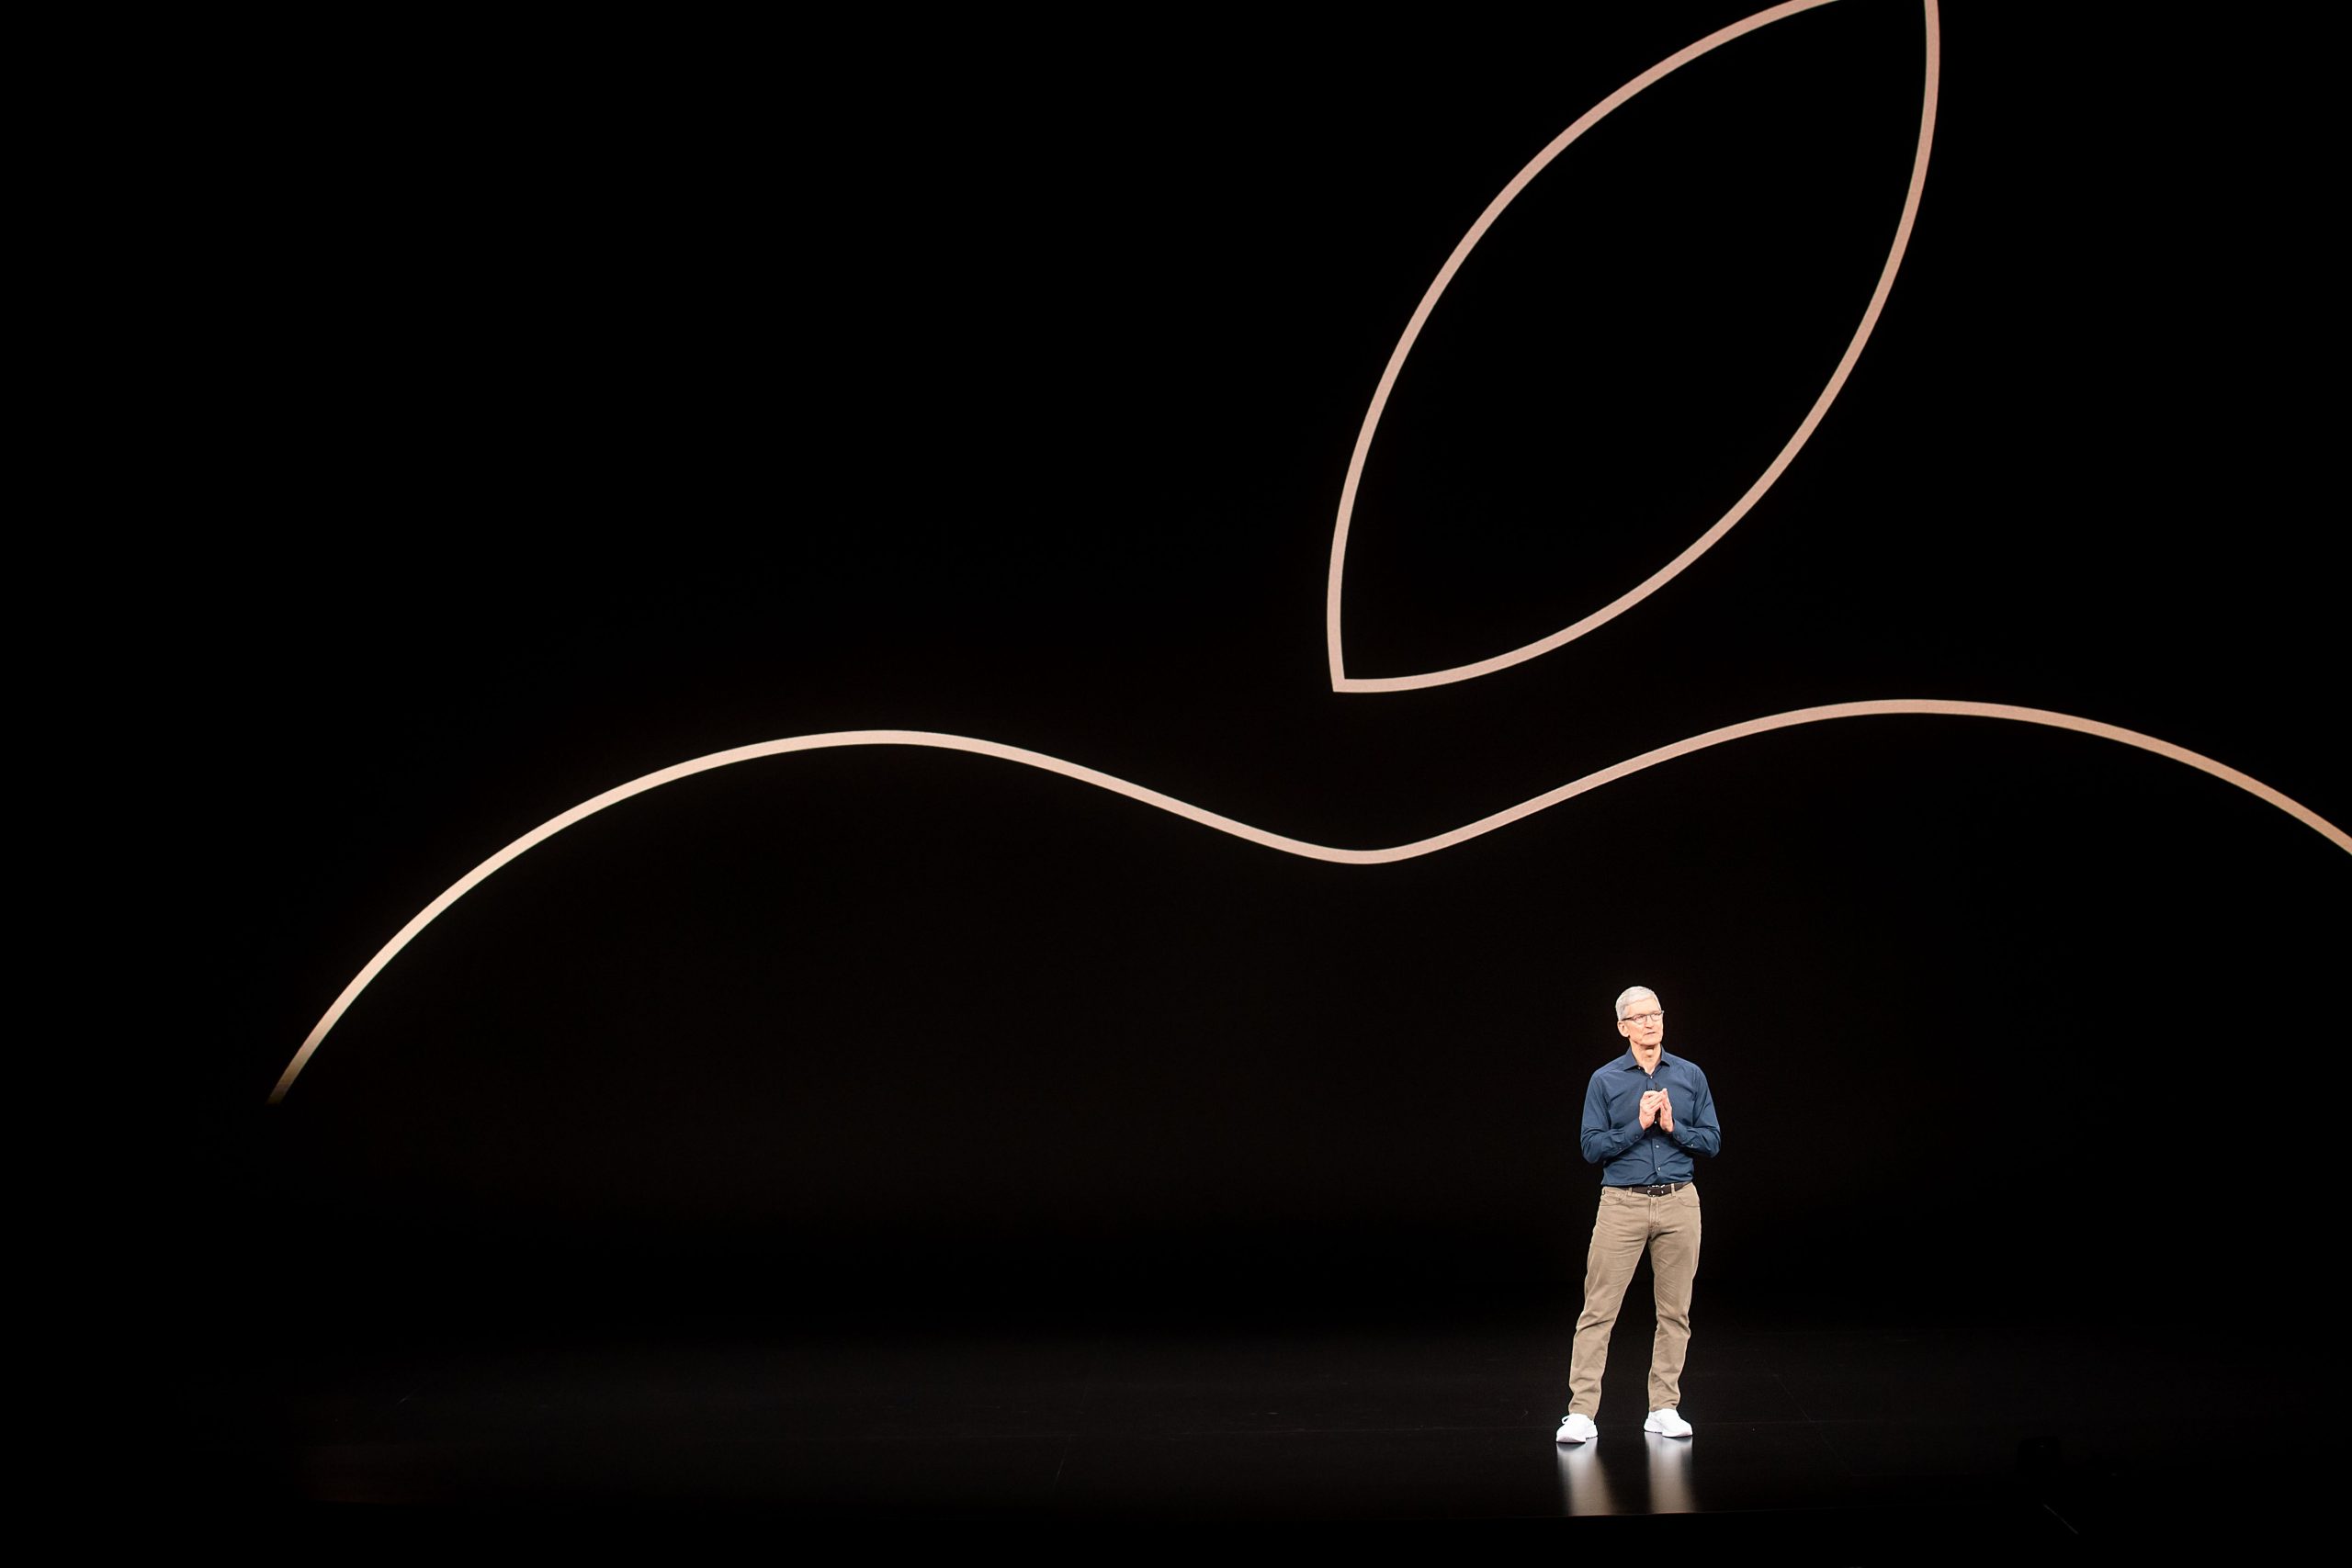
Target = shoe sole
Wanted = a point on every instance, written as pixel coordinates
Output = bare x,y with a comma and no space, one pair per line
1565,1441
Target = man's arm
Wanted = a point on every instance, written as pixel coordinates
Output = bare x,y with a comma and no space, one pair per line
1698,1132
1603,1142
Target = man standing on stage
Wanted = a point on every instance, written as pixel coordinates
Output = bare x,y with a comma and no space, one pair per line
1645,1115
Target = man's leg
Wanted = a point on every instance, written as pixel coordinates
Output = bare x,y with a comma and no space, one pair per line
1674,1263
1619,1231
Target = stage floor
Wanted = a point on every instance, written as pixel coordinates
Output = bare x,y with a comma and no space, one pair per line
1858,1435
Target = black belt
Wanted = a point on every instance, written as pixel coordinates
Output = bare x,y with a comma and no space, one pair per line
1657,1189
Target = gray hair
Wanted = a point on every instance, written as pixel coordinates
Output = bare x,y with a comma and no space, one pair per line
1631,995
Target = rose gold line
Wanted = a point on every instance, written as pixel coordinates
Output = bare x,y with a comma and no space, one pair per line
1340,680
1299,847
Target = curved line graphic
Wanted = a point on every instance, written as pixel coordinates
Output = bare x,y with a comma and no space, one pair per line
1300,847
1340,680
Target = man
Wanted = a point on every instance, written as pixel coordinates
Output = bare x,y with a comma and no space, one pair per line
1645,1115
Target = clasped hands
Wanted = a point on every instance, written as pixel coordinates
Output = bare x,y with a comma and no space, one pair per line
1658,1108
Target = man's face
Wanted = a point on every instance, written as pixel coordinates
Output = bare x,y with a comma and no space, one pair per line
1643,1025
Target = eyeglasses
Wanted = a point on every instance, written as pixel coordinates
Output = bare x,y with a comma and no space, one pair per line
1640,1019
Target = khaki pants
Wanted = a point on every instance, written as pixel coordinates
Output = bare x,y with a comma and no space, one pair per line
1626,1223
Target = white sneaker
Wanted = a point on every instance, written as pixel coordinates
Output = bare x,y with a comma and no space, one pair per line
1666,1424
1580,1430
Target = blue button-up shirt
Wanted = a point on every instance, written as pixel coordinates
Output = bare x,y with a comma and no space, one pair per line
1614,1139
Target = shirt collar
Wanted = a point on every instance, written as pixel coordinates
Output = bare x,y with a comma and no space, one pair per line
1628,1062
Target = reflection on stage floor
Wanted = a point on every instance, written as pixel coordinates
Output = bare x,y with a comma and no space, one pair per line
1855,1434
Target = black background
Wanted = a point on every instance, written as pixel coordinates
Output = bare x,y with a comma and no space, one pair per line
560,408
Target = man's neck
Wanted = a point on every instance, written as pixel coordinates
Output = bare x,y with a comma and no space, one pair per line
1647,1060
